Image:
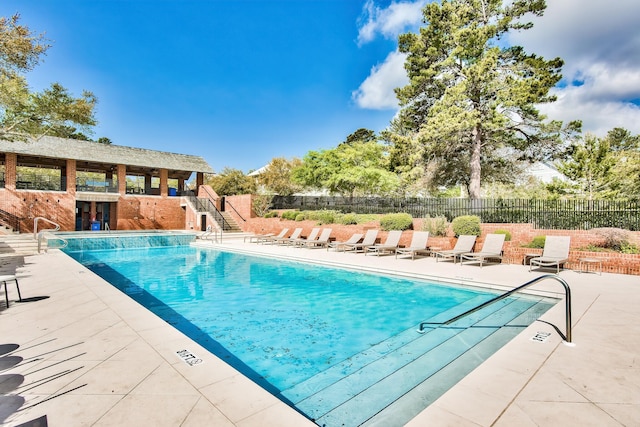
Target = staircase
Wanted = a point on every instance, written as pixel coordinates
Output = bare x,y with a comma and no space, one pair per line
18,245
232,225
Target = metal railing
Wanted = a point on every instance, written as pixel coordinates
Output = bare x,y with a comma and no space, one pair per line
10,220
567,290
46,234
42,182
96,185
226,203
206,205
209,195
579,214
212,234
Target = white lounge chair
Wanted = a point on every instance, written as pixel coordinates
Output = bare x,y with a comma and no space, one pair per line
321,241
389,246
313,235
463,245
555,253
417,246
259,238
355,238
491,249
286,240
369,239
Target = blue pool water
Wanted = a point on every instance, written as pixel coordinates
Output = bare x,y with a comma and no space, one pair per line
296,329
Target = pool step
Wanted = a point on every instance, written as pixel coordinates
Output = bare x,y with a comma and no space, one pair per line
355,363
413,402
359,388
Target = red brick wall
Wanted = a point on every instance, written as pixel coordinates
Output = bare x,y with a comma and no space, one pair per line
139,212
133,212
58,207
242,206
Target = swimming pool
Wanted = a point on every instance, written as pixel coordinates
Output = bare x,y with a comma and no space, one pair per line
339,346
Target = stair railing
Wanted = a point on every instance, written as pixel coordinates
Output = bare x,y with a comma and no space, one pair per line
557,278
10,220
208,204
227,203
209,195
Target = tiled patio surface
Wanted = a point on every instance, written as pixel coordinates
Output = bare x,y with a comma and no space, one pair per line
87,355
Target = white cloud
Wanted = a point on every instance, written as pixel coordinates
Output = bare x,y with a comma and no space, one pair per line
389,22
598,41
598,116
377,91
600,45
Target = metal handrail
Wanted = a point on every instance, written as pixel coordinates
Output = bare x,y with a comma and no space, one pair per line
41,235
567,291
212,232
211,208
47,234
10,219
209,195
40,218
234,209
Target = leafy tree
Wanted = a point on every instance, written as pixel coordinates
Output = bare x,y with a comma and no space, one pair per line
355,167
469,110
232,182
23,112
589,165
606,167
625,173
277,177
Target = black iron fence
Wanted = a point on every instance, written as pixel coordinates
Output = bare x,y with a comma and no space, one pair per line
546,214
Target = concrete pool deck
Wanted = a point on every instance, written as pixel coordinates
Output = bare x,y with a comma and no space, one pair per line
83,354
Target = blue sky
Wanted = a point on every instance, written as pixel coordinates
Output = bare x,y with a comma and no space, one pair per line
240,81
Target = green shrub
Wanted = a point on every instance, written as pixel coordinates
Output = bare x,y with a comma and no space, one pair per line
300,217
364,218
291,215
507,234
466,225
271,214
322,217
396,221
436,226
537,242
629,248
347,219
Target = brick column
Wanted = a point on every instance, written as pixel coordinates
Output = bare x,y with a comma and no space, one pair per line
71,176
122,180
10,172
164,176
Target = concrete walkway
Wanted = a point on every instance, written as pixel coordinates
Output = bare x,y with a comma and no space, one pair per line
83,354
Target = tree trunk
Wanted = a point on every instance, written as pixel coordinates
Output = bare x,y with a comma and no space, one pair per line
474,179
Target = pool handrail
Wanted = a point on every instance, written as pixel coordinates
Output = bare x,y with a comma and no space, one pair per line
40,236
567,290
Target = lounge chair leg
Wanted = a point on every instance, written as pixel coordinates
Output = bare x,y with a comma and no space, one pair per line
6,279
19,295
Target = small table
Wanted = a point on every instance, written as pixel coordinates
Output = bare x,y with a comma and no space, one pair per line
527,258
433,249
584,262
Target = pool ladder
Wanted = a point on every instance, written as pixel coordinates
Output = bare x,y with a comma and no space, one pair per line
555,277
